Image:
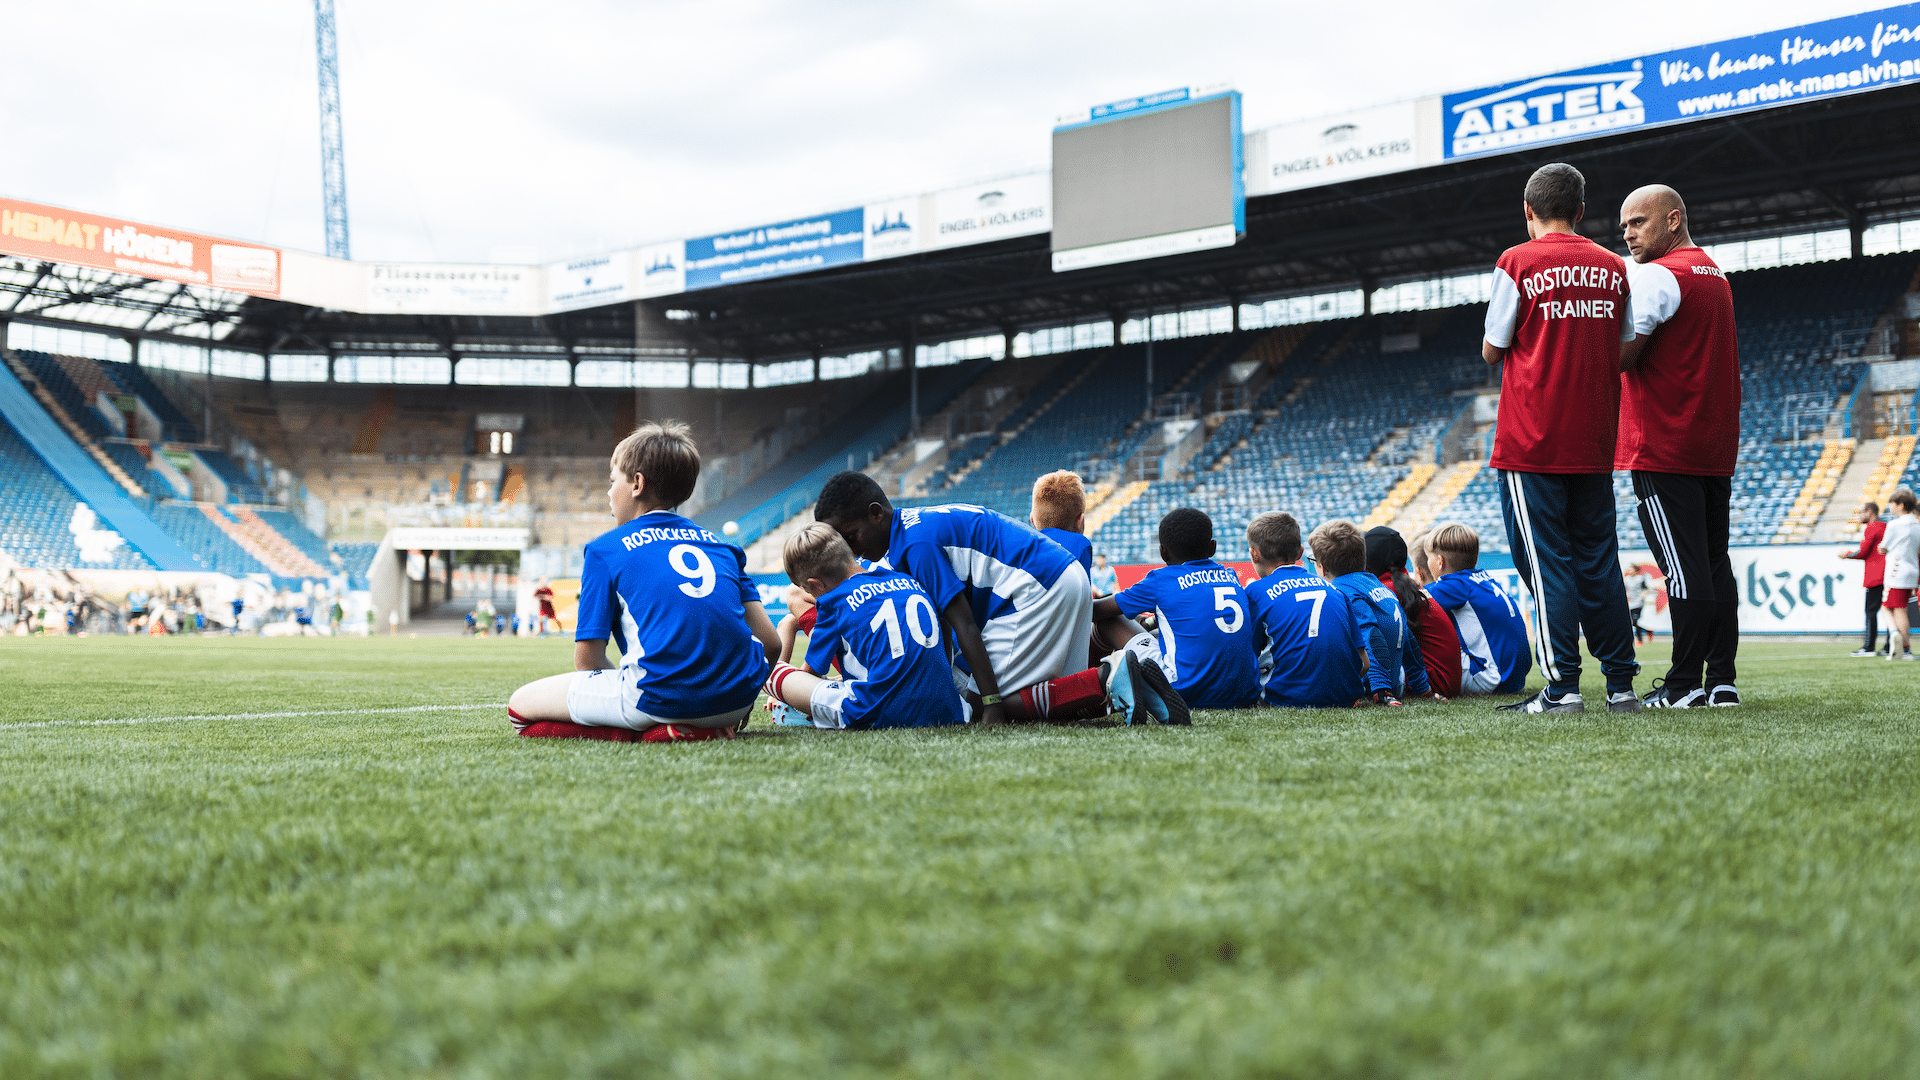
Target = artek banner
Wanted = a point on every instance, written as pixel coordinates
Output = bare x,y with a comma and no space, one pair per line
1804,63
69,236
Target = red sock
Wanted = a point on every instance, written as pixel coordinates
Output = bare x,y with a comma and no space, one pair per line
1070,697
561,729
778,679
682,733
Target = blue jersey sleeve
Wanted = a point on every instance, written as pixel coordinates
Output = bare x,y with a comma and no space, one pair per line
927,564
1370,636
749,592
1450,591
1142,596
822,643
594,620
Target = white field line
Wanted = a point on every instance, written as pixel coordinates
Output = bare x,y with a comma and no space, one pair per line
247,716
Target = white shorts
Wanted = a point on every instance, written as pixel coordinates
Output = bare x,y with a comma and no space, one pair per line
1044,640
1146,649
604,699
1486,681
829,703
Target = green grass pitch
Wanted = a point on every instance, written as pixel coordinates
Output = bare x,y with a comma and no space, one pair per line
1439,891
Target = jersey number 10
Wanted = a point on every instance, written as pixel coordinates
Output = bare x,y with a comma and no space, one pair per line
889,617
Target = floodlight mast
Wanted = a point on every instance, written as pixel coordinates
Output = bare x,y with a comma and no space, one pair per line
333,158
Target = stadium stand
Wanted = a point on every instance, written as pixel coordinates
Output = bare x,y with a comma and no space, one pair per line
356,559
789,487
38,514
132,379
211,544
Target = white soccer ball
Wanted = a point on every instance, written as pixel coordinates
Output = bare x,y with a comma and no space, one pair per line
730,528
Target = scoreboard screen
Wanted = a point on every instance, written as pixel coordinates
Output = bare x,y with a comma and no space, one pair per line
1147,177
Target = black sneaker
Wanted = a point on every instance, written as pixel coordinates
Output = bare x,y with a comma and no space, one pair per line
1658,698
1723,696
1546,701
1622,701
1165,703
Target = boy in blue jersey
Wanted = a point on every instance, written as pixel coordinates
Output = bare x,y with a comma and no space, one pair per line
1060,513
1020,608
880,627
1394,666
1205,640
1494,654
695,642
1309,656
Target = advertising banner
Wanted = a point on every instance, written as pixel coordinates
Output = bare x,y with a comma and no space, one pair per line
660,269
589,282
1784,589
444,289
893,228
1368,142
105,243
456,538
1806,63
1015,206
790,247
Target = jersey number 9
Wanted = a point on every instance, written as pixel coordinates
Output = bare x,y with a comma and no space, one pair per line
693,563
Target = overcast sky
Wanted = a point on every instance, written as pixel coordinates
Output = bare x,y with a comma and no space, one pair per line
518,132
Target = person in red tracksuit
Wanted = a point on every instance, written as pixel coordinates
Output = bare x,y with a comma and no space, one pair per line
1874,571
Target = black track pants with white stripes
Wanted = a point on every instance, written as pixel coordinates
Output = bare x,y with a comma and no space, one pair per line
1686,520
1561,529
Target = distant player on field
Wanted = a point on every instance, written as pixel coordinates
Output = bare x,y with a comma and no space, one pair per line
1204,642
1679,434
695,642
1556,319
880,627
1019,606
1060,513
1309,656
1493,634
544,597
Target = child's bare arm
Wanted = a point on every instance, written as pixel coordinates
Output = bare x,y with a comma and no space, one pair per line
762,628
966,634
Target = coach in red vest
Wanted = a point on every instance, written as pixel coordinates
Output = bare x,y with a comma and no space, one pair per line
1679,434
1556,318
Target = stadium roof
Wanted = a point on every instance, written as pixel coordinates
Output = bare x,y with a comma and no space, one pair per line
1846,163
1408,203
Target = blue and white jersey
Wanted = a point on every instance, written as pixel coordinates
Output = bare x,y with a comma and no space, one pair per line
1493,636
1077,545
1393,655
672,597
1206,638
1000,564
1309,653
886,633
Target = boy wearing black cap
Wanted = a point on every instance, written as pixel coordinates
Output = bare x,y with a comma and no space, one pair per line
1437,642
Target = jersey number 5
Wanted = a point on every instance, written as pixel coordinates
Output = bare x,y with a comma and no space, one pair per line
692,563
1223,601
888,617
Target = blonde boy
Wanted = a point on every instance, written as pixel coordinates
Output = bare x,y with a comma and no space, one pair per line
882,628
1494,655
